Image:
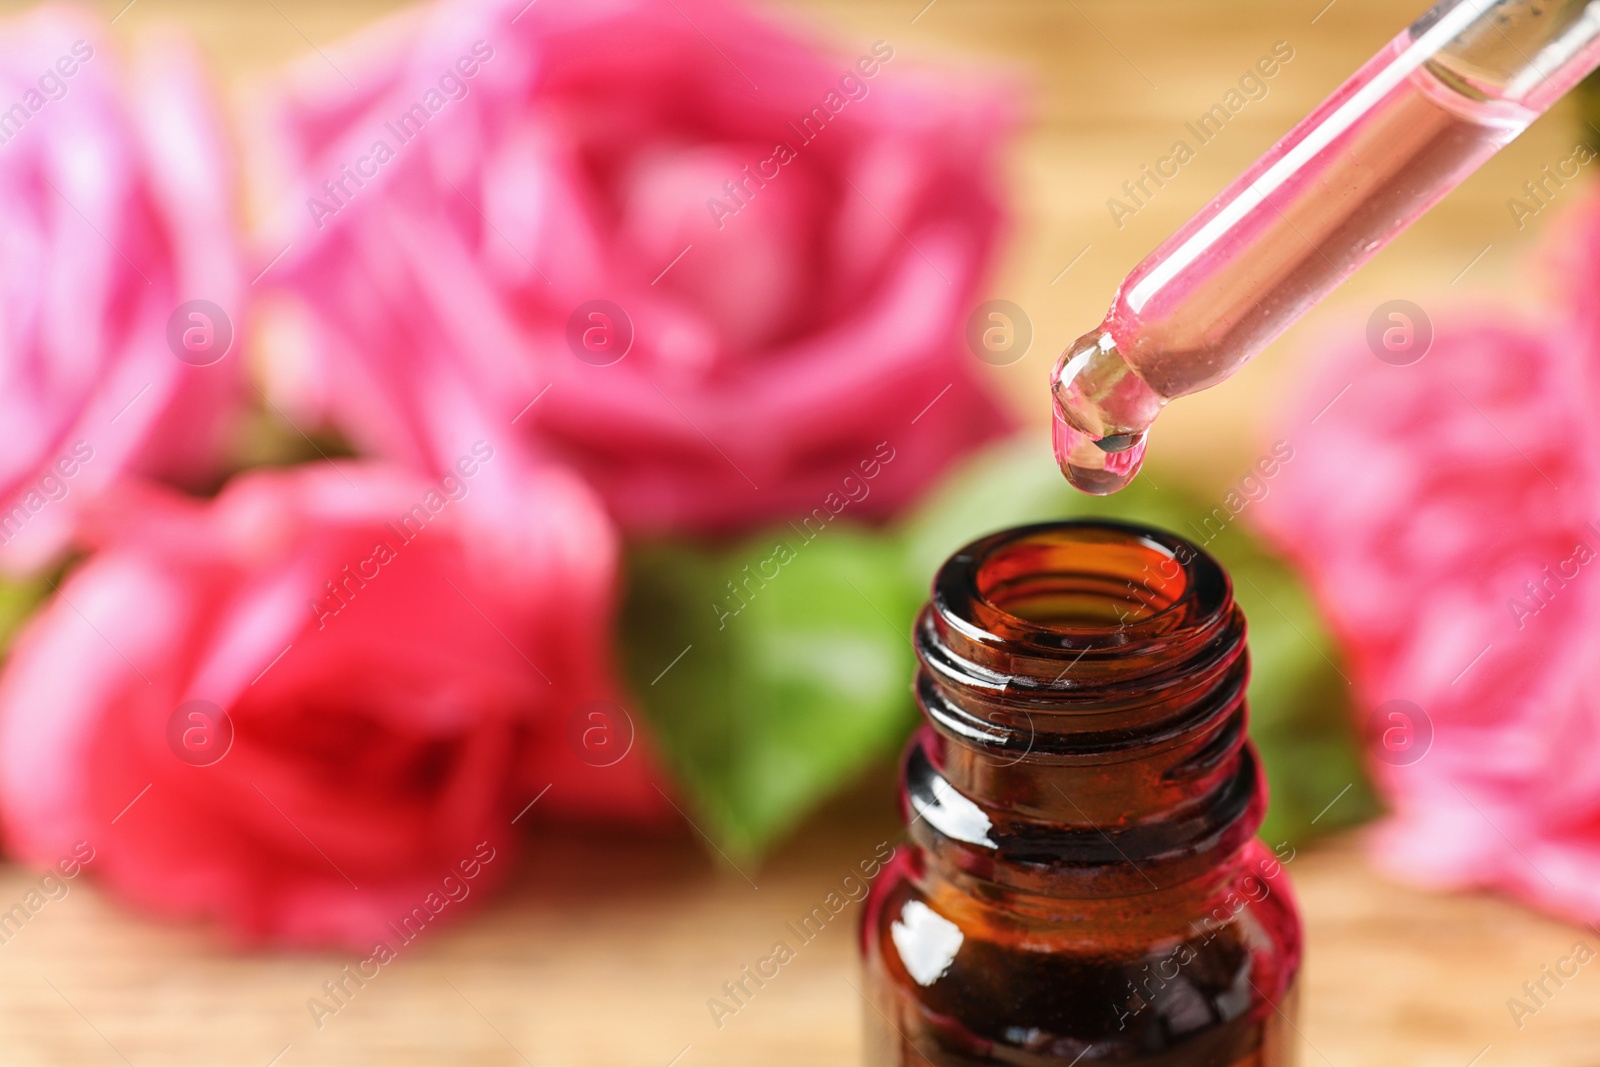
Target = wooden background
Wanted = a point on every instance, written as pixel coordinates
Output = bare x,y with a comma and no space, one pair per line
606,950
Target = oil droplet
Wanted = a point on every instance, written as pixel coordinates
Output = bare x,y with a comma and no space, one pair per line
1099,466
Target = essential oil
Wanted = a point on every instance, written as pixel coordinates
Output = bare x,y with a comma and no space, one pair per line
1408,127
1082,881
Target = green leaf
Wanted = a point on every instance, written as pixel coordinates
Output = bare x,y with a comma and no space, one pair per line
792,682
798,664
19,597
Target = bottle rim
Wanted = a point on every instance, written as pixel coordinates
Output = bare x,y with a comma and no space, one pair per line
1090,589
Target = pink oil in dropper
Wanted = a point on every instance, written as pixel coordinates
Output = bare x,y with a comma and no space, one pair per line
1407,128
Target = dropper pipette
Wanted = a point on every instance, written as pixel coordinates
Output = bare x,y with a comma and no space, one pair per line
1429,109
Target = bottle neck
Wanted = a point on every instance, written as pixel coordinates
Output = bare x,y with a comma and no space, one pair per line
1084,686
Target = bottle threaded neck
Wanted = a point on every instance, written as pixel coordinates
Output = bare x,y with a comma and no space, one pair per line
1079,616
1085,683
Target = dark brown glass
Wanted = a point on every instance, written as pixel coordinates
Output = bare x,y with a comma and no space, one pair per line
1082,882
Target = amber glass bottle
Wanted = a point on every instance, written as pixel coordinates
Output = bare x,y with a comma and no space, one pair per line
1082,881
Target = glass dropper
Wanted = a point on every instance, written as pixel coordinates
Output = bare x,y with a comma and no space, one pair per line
1407,128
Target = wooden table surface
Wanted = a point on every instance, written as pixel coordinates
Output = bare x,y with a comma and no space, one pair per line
606,951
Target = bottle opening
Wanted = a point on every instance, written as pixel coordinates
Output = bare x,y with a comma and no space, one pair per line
1037,599
1082,577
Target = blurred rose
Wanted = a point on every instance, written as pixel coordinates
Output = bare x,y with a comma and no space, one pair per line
399,681
1462,570
793,264
118,210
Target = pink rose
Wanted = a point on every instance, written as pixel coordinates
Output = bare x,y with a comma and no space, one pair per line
1445,514
118,211
400,680
785,272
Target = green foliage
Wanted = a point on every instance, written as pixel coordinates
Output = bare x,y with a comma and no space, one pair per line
789,689
797,675
19,597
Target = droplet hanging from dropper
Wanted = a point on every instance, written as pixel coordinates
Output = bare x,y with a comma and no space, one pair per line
1103,411
1099,466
